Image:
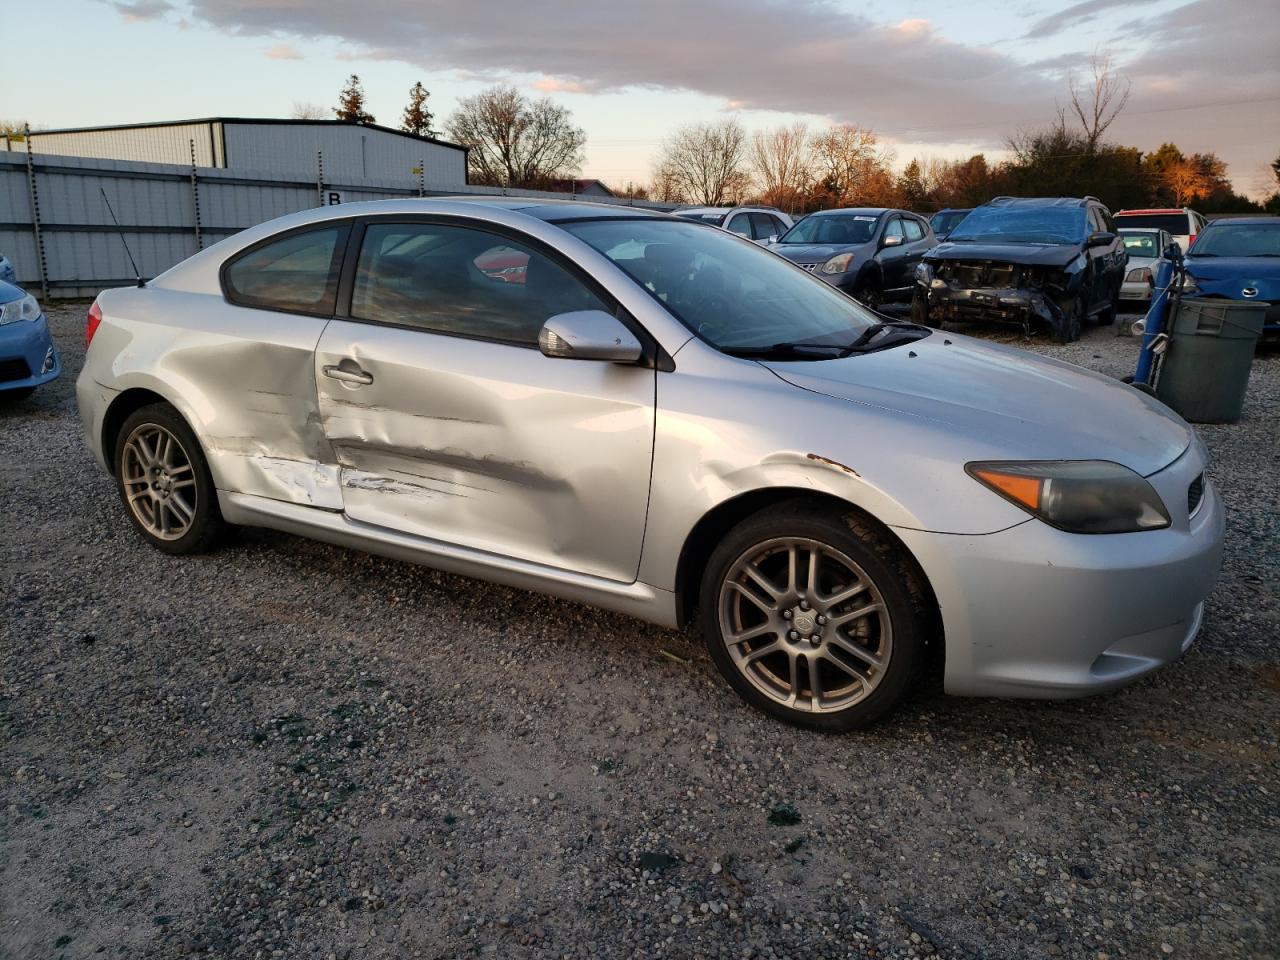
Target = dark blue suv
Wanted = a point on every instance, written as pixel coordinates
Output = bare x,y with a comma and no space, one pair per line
1056,262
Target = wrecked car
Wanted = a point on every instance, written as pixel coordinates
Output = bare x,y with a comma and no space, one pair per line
667,421
1052,262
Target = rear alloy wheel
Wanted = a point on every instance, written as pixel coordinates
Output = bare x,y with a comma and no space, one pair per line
808,615
164,481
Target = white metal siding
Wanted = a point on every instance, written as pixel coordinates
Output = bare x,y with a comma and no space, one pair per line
351,153
159,144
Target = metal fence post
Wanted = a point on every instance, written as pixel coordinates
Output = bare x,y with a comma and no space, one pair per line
422,178
35,216
195,196
320,178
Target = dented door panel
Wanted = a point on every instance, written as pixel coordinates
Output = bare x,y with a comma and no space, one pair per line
491,446
243,377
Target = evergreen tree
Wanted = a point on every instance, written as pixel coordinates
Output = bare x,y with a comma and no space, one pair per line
351,102
417,118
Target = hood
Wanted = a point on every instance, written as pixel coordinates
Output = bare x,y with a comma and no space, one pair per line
1031,254
1247,270
816,252
1027,406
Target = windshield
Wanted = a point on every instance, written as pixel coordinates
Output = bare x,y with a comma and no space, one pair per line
1238,240
1174,223
734,295
716,218
834,228
946,221
1021,225
1141,244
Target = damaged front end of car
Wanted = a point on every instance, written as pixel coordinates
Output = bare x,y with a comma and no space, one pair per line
1025,294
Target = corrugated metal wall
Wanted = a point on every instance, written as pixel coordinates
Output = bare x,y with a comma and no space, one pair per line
79,250
163,143
349,152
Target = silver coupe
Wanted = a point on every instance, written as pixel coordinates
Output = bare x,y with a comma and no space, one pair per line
634,411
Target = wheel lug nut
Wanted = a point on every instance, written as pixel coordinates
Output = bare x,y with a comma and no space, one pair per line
804,604
821,619
786,614
793,635
816,640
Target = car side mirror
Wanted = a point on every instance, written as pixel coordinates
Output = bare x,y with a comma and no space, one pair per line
770,241
891,242
1102,238
589,335
1173,251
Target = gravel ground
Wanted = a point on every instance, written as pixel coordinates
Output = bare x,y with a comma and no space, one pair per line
290,750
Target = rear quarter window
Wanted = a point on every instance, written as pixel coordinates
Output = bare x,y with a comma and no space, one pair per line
297,273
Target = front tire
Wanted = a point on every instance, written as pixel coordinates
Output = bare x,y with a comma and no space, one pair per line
813,616
164,482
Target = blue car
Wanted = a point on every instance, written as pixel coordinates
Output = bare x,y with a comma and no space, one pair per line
1238,259
6,270
28,357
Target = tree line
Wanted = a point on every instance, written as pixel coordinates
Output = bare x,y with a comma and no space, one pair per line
519,141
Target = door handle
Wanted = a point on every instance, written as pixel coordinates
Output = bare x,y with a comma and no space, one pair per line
348,376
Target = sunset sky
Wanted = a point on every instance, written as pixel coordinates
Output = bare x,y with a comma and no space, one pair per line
939,78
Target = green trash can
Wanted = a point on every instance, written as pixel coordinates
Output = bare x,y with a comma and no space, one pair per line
1205,370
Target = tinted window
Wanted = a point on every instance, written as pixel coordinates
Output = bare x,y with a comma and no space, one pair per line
946,221
894,229
915,231
297,273
740,225
728,293
1177,224
1022,224
461,281
832,228
765,226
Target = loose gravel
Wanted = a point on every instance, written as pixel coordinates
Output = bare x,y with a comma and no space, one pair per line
286,749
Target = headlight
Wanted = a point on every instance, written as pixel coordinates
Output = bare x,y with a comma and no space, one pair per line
1141,275
839,263
25,309
1079,496
923,273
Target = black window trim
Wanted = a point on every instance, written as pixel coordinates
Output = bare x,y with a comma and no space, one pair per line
341,249
654,356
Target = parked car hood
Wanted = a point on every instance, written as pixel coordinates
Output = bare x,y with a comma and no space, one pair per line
815,252
1230,268
1034,407
1031,254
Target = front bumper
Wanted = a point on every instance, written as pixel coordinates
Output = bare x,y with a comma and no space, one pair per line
1135,290
1036,612
28,357
1019,305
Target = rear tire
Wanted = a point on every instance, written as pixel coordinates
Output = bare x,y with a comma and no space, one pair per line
856,636
164,482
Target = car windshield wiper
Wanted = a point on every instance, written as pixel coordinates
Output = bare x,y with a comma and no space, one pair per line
870,340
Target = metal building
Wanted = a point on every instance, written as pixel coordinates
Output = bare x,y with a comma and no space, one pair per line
349,150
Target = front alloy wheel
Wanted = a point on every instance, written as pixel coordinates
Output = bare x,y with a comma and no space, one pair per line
804,624
812,615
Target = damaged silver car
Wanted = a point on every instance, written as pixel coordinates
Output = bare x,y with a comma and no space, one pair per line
666,421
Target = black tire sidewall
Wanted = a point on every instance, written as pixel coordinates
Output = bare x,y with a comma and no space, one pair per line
882,561
207,522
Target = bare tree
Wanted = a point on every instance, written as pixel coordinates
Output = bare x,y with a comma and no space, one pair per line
1098,102
308,111
704,162
846,157
783,165
351,102
515,141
